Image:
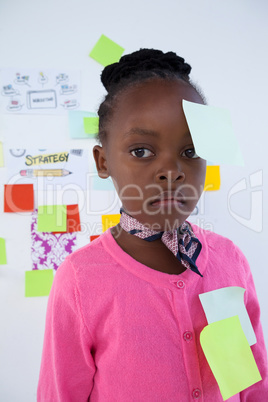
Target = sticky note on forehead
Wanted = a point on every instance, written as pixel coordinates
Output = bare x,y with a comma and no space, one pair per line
212,133
106,51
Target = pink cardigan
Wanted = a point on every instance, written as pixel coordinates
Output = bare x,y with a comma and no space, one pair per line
117,330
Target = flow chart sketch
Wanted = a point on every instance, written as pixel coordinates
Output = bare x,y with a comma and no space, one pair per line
33,91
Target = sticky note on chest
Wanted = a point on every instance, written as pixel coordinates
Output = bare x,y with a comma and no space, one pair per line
228,302
229,356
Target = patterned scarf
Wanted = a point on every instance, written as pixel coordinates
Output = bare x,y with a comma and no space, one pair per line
181,242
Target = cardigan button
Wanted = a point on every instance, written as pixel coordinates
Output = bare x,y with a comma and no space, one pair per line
180,284
187,336
196,393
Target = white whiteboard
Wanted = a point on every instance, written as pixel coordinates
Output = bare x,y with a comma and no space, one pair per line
225,42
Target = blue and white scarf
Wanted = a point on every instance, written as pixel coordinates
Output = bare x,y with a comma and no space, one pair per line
181,242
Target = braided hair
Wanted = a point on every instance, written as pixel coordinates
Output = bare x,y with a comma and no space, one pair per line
139,66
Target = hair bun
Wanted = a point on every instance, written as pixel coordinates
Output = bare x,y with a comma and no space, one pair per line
141,61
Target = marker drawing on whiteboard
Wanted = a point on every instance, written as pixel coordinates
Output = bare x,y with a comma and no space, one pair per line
44,172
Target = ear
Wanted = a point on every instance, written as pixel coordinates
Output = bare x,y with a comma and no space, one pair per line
101,162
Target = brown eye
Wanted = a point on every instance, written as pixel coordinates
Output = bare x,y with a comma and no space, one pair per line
190,153
141,153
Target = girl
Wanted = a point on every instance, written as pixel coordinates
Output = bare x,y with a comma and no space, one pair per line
124,316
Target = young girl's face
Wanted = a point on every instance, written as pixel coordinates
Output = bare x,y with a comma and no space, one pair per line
150,155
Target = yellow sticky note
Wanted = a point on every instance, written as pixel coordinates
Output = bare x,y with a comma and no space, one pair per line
1,155
109,221
38,282
3,257
229,355
91,125
213,178
106,51
52,218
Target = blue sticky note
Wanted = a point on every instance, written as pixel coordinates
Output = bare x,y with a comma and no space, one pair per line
101,184
212,133
227,302
76,123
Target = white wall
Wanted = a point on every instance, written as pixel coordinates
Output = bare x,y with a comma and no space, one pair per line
224,41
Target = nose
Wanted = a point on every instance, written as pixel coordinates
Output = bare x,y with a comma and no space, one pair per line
170,172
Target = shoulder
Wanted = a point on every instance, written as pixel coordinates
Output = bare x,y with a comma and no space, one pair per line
90,260
221,256
93,252
219,248
214,240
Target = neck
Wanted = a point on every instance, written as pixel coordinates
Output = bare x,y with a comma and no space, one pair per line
153,254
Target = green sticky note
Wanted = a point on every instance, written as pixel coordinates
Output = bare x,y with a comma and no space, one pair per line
52,218
38,282
1,155
76,123
106,51
212,133
91,125
229,355
3,257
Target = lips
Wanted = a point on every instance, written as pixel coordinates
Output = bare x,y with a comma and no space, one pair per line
168,198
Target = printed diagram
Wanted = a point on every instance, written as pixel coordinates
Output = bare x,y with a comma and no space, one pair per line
22,79
49,169
45,99
17,152
14,105
8,90
11,92
39,91
70,104
42,79
68,89
62,78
